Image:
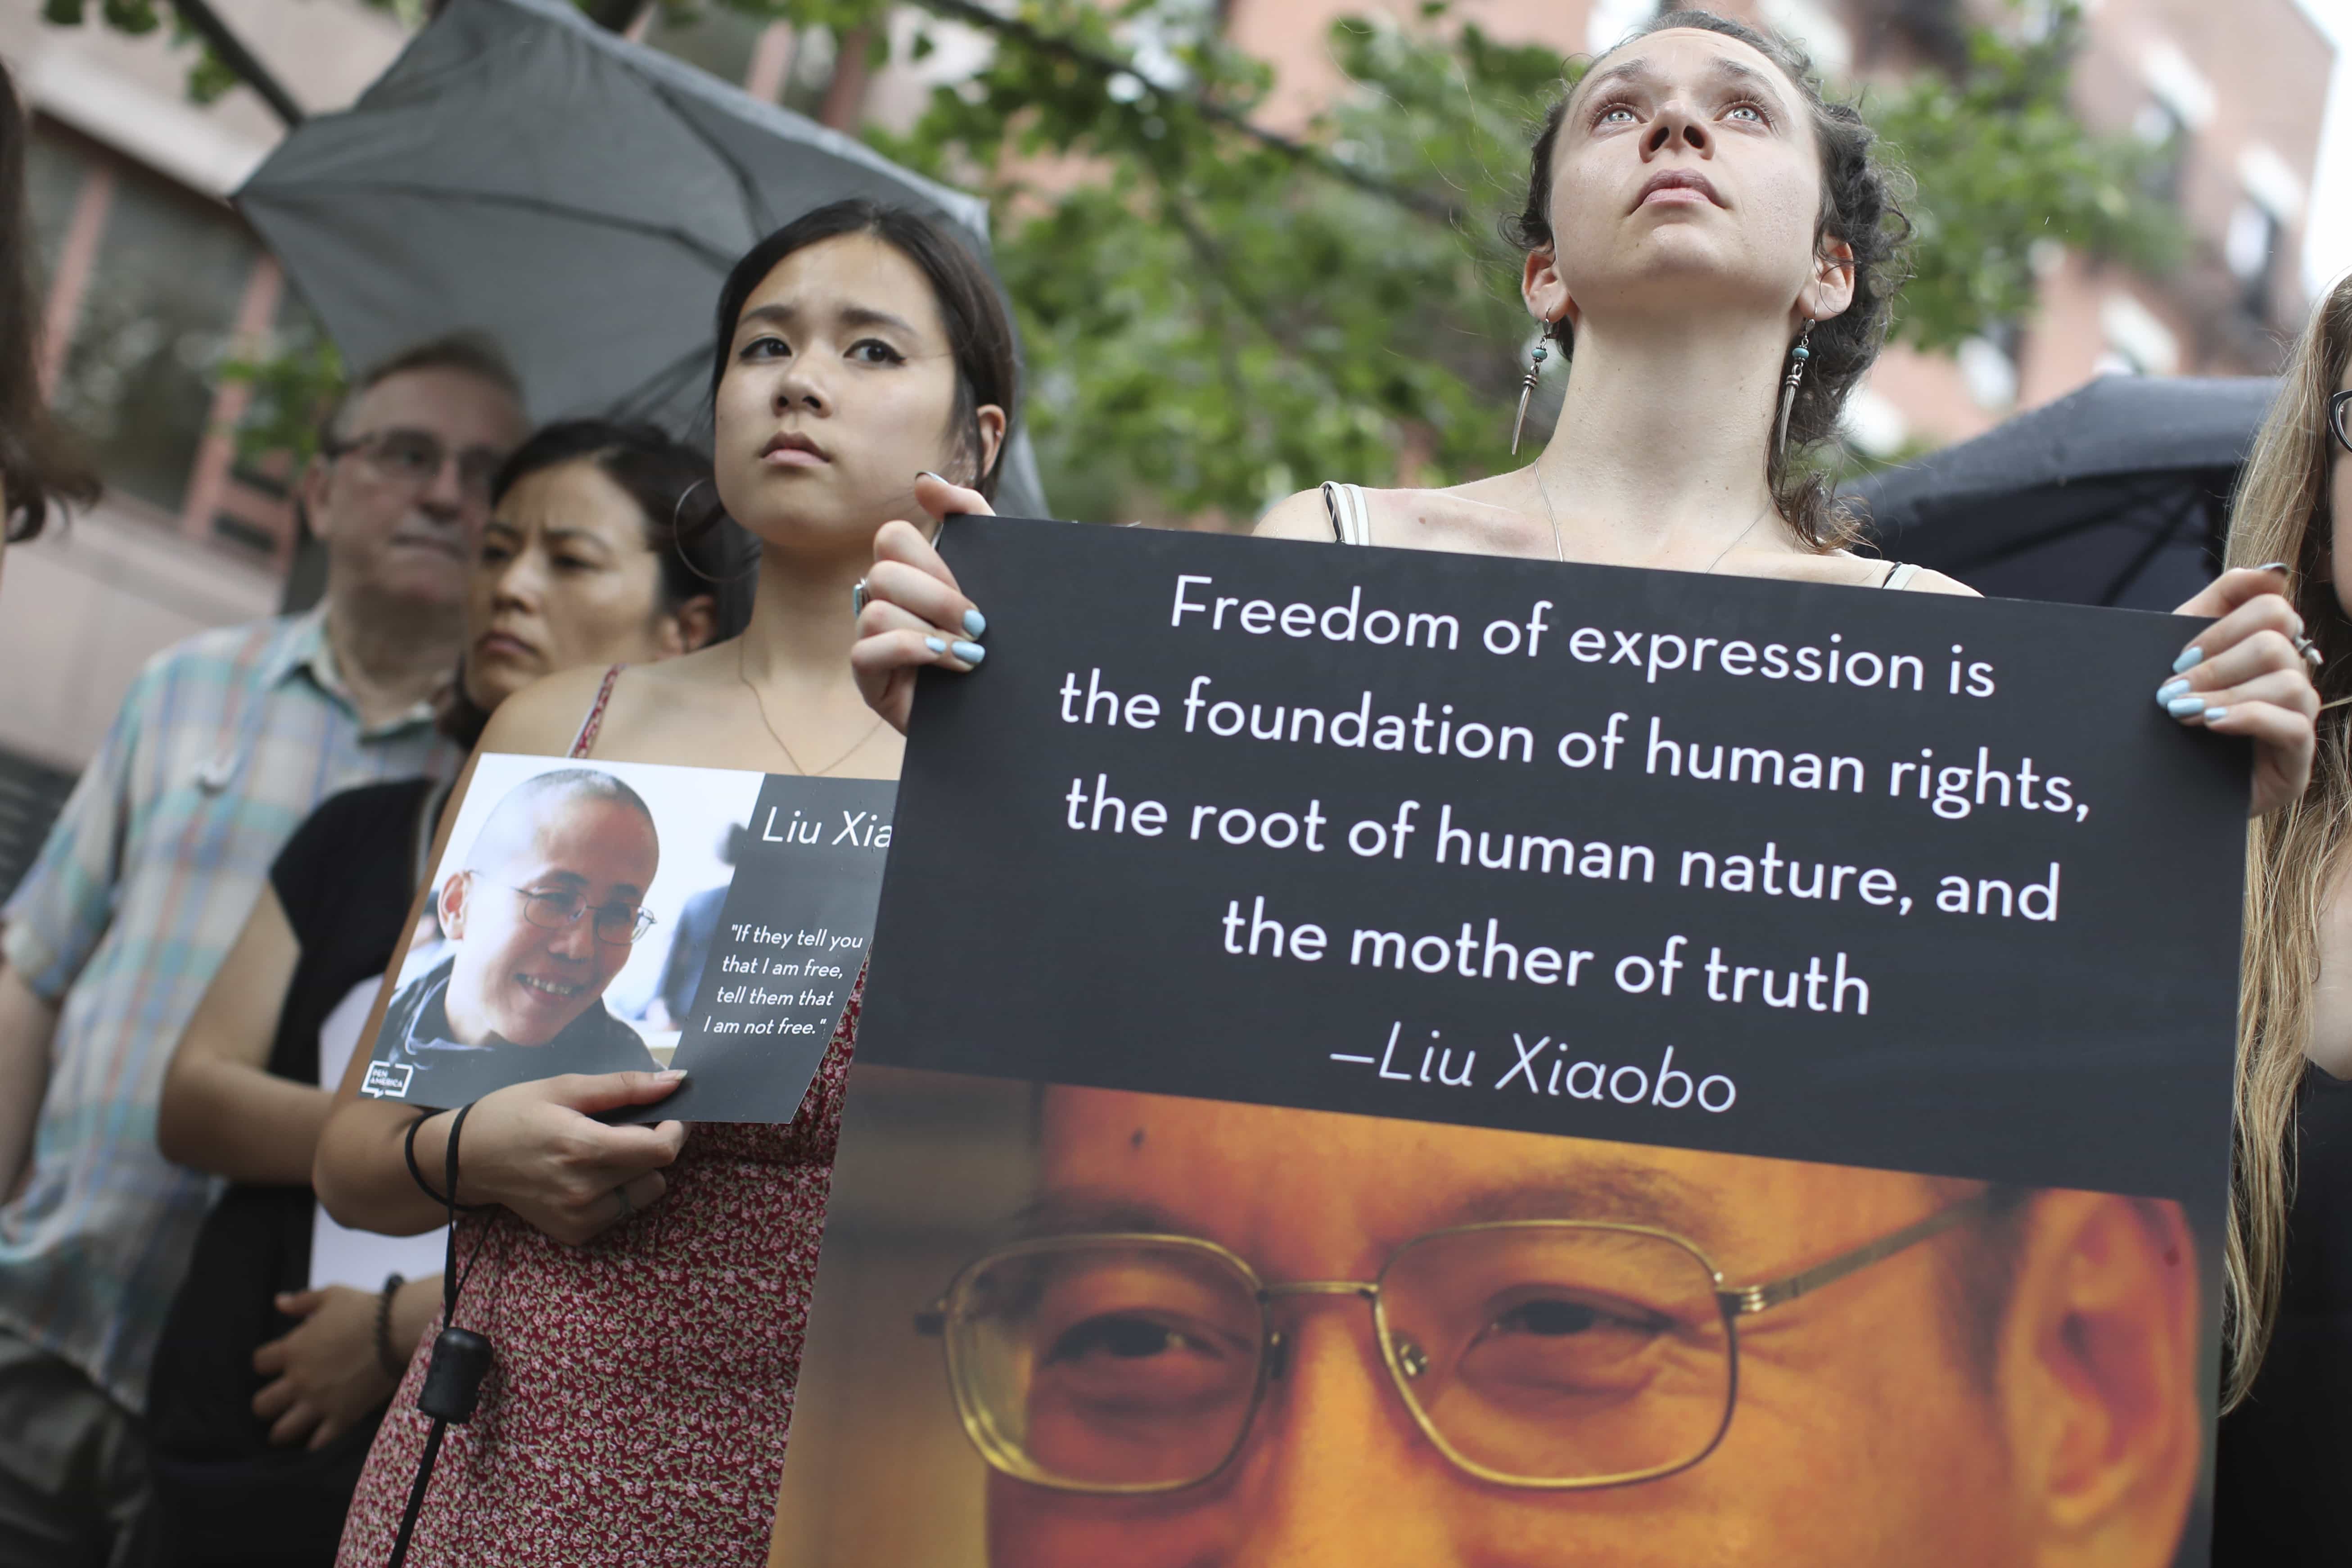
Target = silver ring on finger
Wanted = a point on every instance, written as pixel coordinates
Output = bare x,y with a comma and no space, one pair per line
857,599
621,1196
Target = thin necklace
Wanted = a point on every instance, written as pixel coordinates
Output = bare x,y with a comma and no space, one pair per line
1557,549
1561,552
762,703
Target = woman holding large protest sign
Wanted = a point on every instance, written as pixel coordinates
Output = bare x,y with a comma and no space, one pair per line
644,1360
1719,245
2286,1443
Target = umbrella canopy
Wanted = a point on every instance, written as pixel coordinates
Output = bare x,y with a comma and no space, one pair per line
2116,494
522,172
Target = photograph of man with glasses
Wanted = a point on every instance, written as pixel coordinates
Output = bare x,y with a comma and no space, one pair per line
540,919
1196,1335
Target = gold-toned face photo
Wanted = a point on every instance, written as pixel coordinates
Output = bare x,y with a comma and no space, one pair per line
1077,1326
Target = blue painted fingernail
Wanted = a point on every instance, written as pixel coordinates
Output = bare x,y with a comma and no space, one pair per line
2185,707
974,624
971,652
2168,691
2213,713
2190,657
936,646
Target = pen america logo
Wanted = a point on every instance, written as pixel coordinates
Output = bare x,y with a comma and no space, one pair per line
388,1080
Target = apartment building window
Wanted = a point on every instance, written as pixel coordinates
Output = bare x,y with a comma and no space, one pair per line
2273,198
136,380
2181,102
2165,133
2250,247
2139,343
149,286
1987,365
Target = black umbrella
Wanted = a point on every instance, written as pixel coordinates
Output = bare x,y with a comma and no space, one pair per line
2116,494
520,170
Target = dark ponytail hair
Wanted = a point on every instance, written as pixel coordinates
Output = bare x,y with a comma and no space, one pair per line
38,463
980,333
1862,197
704,557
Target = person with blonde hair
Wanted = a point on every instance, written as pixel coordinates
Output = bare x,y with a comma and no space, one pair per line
2286,1440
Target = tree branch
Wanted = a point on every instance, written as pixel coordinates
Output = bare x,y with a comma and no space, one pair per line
1108,66
230,51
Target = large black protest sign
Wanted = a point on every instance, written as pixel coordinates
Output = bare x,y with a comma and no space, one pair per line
1885,879
1395,1058
599,917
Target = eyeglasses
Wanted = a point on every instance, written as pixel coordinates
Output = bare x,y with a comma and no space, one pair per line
1558,1354
2339,423
615,924
415,458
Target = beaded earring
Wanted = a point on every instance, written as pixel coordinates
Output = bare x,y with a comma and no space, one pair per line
1527,391
1797,358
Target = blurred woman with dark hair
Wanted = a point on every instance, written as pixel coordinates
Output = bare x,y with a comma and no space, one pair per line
266,1393
37,467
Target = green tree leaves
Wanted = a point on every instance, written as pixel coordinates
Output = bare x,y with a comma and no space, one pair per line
2002,166
1216,314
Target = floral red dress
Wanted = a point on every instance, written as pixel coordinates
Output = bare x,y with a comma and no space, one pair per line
635,1410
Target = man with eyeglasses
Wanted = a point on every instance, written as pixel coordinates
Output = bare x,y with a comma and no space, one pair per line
538,922
1228,1335
223,745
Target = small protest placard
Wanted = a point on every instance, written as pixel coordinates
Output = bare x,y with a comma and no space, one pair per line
597,917
1411,1057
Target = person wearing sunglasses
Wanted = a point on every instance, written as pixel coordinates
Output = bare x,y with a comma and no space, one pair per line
1225,1334
538,922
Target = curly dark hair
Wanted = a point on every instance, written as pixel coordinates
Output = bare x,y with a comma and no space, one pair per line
1862,197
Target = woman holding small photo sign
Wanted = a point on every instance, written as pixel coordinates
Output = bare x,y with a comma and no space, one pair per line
1719,246
648,1284
2286,1437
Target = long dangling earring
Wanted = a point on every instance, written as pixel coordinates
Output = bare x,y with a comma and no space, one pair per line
1797,358
1527,391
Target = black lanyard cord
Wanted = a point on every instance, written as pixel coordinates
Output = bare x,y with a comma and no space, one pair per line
461,1358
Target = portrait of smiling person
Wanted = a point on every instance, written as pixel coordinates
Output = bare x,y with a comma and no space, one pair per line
537,923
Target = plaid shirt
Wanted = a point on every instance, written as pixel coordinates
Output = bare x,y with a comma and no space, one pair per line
224,744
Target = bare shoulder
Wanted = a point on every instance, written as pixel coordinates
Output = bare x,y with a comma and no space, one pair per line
1479,516
1845,569
542,718
1927,582
1301,516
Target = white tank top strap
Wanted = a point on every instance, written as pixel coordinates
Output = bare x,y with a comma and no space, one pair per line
1352,520
1899,576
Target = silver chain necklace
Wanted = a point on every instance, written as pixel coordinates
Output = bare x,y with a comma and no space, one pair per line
1560,551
